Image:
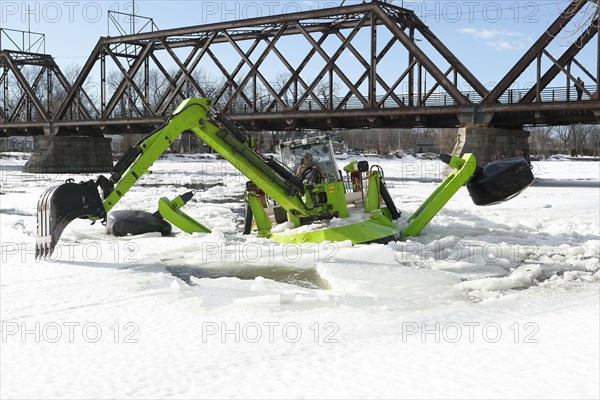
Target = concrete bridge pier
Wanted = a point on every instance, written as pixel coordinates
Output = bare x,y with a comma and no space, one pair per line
70,154
490,144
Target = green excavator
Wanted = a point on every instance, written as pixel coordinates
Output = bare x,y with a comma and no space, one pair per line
309,202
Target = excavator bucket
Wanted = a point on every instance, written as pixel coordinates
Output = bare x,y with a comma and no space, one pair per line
60,205
500,181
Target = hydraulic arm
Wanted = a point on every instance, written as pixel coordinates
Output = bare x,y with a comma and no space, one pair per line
225,138
62,204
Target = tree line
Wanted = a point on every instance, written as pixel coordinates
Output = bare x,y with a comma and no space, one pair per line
574,140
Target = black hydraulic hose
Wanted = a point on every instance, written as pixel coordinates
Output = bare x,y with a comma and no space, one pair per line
248,219
129,158
312,198
285,173
385,194
231,127
387,199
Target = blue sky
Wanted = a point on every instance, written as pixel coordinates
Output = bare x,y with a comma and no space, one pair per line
487,36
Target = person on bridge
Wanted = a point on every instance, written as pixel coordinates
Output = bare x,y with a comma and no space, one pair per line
579,88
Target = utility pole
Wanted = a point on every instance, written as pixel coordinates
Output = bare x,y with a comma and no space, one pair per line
133,17
28,29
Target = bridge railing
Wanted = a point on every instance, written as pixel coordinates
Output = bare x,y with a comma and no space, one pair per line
548,95
511,96
438,99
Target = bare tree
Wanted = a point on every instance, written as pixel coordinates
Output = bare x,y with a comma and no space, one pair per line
564,135
584,19
594,139
287,96
540,140
407,139
445,139
44,86
323,92
579,133
389,139
59,93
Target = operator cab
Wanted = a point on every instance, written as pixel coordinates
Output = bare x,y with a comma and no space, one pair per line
318,148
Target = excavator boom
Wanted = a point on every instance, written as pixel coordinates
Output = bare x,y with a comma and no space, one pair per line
62,204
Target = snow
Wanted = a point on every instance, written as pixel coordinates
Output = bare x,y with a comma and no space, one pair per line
488,302
354,216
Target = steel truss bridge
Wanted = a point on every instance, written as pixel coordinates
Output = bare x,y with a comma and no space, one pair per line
363,65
